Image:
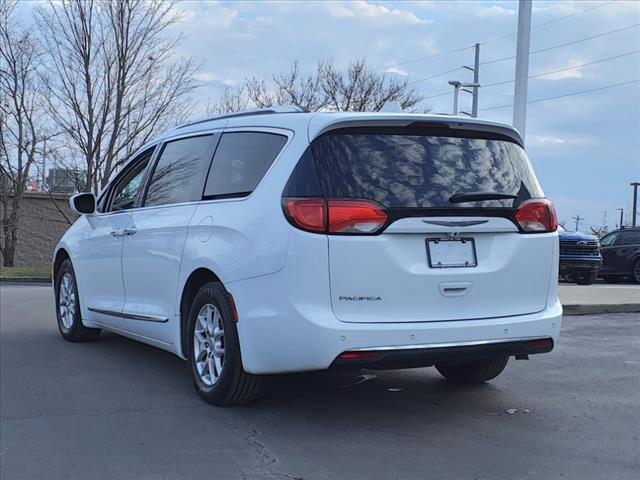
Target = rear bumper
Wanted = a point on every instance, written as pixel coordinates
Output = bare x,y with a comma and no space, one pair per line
285,330
424,356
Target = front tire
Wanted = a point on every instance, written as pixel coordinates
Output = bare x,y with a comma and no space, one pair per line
68,307
611,278
473,372
586,279
214,350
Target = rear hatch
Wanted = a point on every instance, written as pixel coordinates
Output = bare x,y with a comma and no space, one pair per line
444,225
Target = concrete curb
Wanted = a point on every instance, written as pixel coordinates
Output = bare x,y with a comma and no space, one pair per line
26,280
571,309
595,309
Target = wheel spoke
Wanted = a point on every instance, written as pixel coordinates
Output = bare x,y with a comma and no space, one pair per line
209,344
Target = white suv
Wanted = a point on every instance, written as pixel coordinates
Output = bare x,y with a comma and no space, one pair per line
283,241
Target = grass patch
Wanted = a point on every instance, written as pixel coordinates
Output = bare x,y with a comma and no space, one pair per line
23,272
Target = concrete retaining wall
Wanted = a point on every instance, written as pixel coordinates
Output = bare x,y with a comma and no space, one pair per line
41,226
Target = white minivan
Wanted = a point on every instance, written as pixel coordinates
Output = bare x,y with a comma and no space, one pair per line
278,241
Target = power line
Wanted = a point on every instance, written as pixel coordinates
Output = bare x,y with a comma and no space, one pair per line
564,44
568,94
491,40
433,76
405,62
542,74
544,24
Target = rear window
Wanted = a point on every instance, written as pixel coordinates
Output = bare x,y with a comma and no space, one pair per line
415,170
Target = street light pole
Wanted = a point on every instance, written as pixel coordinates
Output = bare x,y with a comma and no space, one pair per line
456,84
621,216
522,67
634,207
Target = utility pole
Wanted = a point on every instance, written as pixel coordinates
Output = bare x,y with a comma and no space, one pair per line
634,207
522,67
456,84
621,216
476,80
577,218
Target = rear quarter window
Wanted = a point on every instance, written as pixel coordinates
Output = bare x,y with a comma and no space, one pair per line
240,162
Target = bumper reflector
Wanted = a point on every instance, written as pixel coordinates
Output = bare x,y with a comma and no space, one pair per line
358,355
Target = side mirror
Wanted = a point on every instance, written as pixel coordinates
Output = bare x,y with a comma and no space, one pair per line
83,203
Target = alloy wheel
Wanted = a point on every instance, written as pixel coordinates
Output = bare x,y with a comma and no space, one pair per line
67,300
208,344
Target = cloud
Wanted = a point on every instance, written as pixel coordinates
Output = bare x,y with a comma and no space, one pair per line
573,73
556,140
364,9
397,71
494,11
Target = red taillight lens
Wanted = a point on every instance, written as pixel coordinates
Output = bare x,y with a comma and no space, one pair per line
335,215
537,215
306,213
355,216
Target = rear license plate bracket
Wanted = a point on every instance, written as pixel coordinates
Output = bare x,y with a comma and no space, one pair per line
451,252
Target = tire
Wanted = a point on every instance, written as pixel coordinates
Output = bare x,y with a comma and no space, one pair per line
214,346
635,272
611,278
586,278
68,307
474,372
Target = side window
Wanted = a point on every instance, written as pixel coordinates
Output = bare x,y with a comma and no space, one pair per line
125,192
240,162
608,240
180,172
628,238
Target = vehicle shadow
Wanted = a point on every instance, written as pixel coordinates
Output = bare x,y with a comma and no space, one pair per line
342,396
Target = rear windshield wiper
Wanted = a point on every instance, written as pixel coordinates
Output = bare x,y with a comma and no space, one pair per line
480,196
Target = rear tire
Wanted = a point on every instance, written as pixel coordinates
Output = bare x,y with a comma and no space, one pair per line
473,372
214,350
586,278
68,307
635,273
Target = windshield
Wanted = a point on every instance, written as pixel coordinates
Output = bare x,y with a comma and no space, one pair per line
401,170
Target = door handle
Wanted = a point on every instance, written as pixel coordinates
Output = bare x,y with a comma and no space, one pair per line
129,231
117,233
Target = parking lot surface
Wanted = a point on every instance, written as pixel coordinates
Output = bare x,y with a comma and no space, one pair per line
120,409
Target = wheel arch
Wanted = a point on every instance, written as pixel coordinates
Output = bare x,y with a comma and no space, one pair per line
196,279
60,256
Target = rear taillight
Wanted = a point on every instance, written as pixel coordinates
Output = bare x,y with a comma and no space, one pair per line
305,213
355,216
537,215
341,216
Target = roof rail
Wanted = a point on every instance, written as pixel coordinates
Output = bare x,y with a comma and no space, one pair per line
247,113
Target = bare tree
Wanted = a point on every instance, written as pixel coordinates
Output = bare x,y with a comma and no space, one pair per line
21,128
357,88
113,79
232,99
363,89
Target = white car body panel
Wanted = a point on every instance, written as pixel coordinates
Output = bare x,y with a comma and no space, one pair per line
286,282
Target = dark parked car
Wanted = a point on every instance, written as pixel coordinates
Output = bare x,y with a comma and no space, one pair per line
621,255
580,258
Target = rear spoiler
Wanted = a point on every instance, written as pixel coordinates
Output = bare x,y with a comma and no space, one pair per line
442,125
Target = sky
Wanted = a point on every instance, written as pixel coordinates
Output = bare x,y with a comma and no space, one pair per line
585,148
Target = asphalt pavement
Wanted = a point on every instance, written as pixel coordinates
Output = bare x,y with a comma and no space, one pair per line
119,409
